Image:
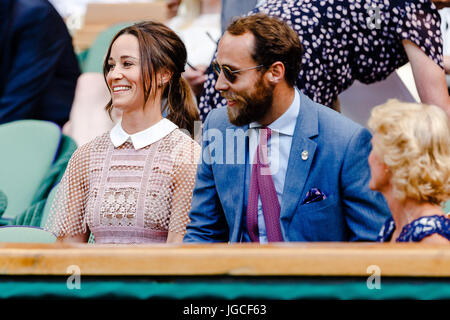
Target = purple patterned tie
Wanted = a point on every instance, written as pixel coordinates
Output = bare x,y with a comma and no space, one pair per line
261,184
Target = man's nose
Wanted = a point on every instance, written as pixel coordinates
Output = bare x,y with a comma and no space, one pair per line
222,83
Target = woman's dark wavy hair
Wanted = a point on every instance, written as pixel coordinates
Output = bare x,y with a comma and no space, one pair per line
274,41
161,49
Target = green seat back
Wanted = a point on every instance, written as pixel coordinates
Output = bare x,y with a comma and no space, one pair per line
3,202
93,60
25,234
28,150
48,205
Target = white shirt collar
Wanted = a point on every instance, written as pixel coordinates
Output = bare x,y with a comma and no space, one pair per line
143,138
285,124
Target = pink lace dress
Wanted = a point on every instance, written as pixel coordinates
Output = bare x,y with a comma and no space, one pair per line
128,189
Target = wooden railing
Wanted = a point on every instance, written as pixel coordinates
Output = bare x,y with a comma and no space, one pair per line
100,16
285,259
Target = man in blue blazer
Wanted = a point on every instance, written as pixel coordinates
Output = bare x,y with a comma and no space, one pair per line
38,64
317,157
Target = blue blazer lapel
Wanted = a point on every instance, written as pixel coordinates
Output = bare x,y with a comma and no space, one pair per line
298,168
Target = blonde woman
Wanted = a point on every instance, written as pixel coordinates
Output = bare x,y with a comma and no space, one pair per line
410,166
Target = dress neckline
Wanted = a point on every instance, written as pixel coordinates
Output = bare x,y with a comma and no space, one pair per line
417,229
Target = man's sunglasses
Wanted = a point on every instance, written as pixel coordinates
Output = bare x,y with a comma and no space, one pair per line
230,75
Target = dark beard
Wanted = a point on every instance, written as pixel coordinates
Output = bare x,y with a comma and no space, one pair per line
254,107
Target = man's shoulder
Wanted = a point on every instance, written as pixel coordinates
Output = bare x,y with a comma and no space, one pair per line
331,122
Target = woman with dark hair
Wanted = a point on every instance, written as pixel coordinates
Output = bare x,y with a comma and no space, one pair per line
134,184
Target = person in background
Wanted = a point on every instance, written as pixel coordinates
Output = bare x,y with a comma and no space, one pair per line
354,40
410,166
198,25
134,184
37,62
172,8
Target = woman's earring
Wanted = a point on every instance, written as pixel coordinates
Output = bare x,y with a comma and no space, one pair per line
160,83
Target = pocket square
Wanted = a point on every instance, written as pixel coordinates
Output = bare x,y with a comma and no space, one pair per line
314,195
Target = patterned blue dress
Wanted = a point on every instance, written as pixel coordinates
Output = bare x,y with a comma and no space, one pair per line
348,40
416,230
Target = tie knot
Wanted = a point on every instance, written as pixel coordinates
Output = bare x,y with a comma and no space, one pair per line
264,134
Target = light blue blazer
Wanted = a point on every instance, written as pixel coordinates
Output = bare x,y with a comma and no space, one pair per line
337,164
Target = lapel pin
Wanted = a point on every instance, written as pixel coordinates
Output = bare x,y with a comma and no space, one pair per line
305,155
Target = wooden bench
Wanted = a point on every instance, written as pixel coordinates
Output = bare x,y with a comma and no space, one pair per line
100,16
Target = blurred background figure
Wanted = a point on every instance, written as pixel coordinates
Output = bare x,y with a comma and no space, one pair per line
172,8
38,64
410,166
198,25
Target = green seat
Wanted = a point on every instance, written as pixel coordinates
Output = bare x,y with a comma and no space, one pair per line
32,216
28,151
3,202
48,205
25,234
93,58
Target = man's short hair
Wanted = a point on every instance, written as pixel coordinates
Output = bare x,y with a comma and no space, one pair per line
274,41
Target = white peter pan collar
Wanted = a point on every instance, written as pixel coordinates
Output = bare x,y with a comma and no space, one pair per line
143,138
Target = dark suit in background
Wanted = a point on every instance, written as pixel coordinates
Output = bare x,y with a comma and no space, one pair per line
38,65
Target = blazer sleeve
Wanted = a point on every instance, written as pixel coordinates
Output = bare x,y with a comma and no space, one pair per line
365,210
207,219
39,41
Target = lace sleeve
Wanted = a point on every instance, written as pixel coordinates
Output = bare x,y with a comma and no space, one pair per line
183,185
67,213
